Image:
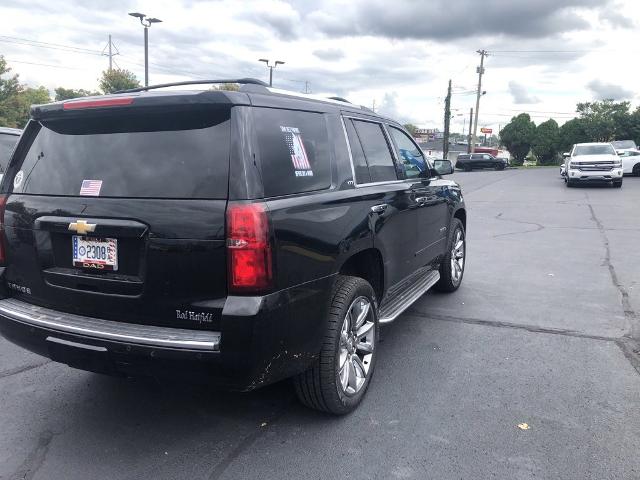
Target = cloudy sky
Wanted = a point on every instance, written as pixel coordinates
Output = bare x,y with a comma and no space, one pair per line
545,55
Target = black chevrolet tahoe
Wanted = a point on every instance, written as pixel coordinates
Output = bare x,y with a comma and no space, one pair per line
243,236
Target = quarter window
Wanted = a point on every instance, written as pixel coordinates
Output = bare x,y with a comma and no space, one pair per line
376,151
294,151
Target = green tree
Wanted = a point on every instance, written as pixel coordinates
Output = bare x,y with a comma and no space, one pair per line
546,142
69,93
411,128
117,79
571,132
16,99
517,136
603,120
24,100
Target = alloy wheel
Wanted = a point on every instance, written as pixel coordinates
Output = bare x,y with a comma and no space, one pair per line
457,257
357,344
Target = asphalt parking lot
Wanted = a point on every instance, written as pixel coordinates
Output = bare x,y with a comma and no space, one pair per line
541,332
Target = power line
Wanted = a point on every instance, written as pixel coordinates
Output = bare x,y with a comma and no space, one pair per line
45,65
52,46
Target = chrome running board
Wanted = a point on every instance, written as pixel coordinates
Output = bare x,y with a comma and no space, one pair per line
396,303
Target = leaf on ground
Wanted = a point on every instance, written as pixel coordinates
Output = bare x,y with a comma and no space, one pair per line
524,426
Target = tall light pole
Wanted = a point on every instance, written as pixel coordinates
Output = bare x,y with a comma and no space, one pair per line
271,67
146,23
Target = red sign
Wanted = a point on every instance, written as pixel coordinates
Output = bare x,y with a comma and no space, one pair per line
486,130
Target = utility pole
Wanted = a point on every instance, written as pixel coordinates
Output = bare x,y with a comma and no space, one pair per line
447,120
109,47
306,87
469,138
480,70
374,106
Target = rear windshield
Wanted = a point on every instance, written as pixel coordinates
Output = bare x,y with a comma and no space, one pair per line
7,142
164,156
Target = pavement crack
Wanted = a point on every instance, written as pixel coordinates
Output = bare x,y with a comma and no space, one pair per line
248,440
501,179
23,368
522,222
35,459
629,312
516,326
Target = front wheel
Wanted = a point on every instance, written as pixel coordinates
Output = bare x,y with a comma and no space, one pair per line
338,380
452,265
467,168
617,184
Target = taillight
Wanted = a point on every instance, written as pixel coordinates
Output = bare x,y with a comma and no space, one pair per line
3,203
248,248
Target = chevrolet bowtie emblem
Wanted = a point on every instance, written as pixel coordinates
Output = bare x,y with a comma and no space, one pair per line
82,227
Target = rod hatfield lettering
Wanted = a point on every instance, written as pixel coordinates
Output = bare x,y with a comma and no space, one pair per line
200,317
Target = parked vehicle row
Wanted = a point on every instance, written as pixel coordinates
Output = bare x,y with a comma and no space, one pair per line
244,237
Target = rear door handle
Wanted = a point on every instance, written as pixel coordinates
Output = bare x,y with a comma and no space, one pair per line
379,208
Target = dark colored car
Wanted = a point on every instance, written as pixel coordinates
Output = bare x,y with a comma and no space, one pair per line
474,161
244,237
8,139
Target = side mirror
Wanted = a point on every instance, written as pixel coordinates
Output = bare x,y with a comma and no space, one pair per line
566,154
443,167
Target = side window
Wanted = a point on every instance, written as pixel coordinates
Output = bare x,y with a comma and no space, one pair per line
376,150
476,156
357,153
294,151
409,155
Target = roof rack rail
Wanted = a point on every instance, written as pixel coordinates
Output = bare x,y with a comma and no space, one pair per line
339,99
242,81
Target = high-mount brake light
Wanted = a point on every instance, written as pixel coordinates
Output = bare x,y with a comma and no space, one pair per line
104,102
248,248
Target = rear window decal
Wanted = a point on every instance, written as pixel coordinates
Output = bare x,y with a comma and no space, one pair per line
91,188
17,180
299,156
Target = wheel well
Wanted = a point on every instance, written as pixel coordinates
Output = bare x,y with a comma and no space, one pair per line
367,265
462,216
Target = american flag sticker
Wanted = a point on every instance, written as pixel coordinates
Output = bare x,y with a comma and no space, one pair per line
91,188
299,157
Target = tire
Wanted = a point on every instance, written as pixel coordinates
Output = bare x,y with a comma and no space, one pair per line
569,183
499,166
321,387
636,170
617,184
448,281
467,168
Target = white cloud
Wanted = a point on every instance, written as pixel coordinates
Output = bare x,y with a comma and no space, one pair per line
388,58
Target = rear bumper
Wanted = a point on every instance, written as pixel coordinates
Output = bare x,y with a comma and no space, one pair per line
261,339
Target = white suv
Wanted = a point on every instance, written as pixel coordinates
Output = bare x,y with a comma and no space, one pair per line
589,162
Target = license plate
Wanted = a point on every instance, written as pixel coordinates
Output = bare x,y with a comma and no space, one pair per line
96,253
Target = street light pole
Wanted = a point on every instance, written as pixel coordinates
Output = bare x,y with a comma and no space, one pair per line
271,67
146,22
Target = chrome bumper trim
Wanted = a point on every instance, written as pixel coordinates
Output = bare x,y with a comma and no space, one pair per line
98,328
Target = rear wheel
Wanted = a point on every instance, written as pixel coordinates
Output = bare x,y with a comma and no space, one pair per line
339,379
636,170
467,168
452,265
